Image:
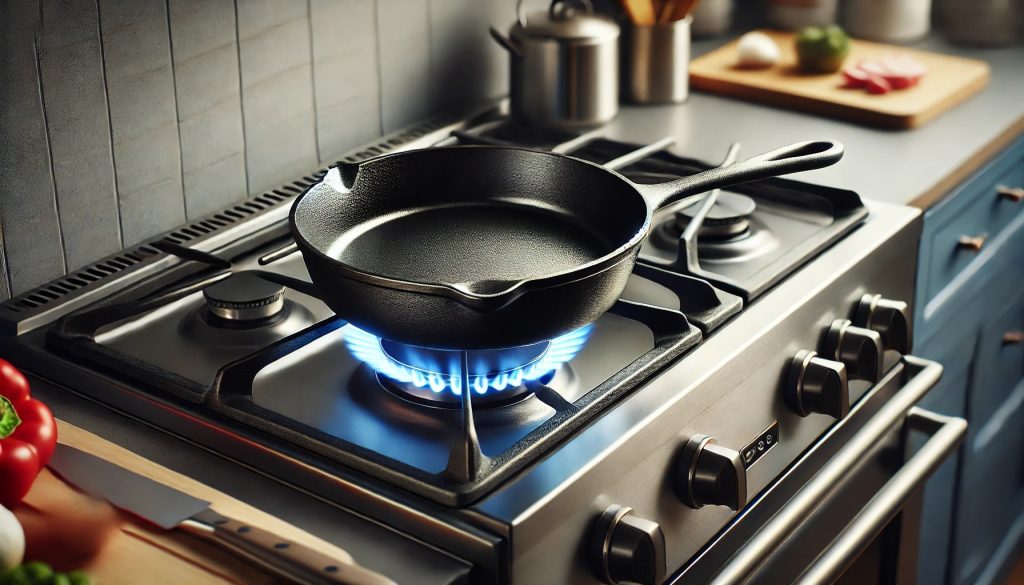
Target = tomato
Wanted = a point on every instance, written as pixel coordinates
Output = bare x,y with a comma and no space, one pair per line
855,77
878,85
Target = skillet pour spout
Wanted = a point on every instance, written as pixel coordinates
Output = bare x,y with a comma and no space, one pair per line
487,247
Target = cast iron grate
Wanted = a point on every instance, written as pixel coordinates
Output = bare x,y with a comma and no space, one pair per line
470,474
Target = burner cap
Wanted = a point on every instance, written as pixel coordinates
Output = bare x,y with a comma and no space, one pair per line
729,217
244,297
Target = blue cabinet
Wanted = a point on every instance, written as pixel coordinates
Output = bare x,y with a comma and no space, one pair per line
969,315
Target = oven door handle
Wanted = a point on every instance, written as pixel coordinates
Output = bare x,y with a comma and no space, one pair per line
947,432
746,561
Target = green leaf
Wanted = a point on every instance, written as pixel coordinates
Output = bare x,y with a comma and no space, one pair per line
8,418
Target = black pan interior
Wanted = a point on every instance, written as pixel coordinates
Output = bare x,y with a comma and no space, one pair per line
478,215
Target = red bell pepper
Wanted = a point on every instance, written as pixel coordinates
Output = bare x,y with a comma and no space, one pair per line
28,436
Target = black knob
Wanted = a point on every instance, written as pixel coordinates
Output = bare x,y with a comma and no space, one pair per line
627,548
859,349
815,384
891,319
708,474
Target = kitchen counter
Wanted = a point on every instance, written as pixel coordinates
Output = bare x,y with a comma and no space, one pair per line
359,536
916,167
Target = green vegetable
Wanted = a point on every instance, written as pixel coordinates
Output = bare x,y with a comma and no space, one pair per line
37,573
822,49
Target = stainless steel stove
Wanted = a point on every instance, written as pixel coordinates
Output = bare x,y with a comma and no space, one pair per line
759,347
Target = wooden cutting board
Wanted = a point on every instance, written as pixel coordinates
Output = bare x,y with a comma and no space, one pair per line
137,552
949,81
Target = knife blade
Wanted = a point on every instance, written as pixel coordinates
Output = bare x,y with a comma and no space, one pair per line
170,508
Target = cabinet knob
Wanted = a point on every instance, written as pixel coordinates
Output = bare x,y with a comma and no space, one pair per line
972,243
1015,194
891,319
1013,337
708,474
859,349
815,384
627,548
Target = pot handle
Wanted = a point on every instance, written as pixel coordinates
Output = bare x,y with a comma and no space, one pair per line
802,156
506,43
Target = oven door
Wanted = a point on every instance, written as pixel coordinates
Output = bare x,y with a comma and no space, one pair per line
848,510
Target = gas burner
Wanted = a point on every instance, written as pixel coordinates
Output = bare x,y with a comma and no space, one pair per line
433,376
729,217
753,242
244,299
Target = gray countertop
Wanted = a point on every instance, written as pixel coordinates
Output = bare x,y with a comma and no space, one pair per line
898,166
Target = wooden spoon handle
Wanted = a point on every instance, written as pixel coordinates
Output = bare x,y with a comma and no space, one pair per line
641,12
666,11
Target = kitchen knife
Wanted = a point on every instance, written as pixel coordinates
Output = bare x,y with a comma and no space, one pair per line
169,509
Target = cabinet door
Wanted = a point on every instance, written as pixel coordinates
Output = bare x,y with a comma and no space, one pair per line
1000,359
991,506
992,490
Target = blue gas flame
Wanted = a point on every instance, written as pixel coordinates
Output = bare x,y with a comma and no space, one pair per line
366,347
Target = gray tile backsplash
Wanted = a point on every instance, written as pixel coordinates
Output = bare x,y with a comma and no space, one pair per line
143,116
121,119
78,127
204,53
32,239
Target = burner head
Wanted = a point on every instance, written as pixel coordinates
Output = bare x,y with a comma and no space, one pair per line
244,297
730,217
434,376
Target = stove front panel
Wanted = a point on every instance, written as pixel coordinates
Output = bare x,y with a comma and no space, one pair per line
730,387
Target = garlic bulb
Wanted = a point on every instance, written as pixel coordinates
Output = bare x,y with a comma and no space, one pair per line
757,50
12,541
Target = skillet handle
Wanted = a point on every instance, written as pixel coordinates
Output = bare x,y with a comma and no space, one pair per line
802,156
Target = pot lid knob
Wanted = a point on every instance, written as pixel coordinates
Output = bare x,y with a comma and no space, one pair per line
565,20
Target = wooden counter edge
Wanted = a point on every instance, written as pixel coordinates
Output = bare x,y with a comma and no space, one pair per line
939,190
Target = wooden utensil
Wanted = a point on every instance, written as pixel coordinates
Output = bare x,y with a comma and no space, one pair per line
640,12
676,10
949,81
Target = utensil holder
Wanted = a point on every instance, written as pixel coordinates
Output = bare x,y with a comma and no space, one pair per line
655,62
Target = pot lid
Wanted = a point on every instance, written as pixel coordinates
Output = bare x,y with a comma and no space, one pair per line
566,20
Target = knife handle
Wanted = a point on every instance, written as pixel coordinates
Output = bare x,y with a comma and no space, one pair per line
280,556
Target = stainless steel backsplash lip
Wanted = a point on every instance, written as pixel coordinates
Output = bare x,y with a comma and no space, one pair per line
48,302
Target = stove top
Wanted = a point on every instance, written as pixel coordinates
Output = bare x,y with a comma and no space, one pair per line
504,459
305,377
245,337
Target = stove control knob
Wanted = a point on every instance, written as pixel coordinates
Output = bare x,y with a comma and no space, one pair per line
627,548
859,349
708,474
891,319
815,384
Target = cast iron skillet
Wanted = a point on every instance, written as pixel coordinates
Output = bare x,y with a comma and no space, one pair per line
484,247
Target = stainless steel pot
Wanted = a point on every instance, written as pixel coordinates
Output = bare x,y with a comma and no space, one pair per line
564,65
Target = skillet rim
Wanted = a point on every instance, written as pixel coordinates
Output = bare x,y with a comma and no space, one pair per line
467,297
